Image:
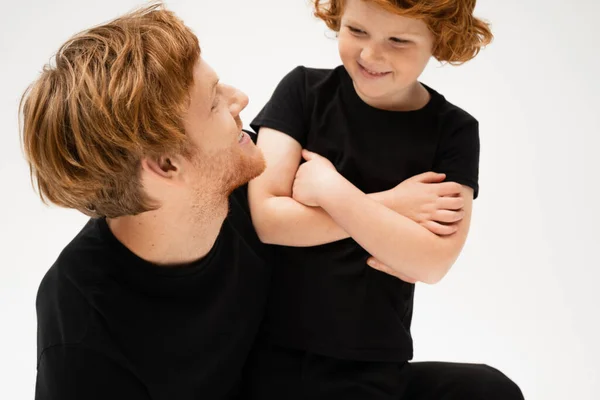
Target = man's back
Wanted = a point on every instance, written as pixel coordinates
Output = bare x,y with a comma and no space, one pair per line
112,324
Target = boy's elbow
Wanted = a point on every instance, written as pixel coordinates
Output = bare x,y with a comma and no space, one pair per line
266,225
264,230
444,252
437,270
260,215
429,273
267,238
432,277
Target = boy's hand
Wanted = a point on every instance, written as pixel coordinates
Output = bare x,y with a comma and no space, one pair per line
429,201
313,178
378,265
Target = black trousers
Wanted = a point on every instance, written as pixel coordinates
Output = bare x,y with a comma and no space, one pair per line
282,374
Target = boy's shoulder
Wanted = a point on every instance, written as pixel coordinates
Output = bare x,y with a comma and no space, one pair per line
311,76
311,71
449,112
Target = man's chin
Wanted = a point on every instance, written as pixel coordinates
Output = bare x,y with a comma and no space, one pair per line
248,168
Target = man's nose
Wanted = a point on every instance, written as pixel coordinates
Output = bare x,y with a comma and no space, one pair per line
238,101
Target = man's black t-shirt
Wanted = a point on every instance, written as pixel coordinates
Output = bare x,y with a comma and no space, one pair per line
325,299
113,326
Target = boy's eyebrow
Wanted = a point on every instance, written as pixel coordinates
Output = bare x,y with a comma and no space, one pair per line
352,22
413,34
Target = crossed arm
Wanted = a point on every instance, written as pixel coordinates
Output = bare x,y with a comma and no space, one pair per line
414,231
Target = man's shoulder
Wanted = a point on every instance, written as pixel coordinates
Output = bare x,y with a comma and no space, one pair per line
62,307
77,371
62,310
86,254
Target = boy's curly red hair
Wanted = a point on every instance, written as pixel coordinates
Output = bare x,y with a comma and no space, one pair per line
458,34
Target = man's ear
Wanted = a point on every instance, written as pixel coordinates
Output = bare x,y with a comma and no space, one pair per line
165,168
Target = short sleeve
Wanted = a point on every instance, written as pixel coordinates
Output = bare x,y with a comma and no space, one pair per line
458,155
285,111
75,373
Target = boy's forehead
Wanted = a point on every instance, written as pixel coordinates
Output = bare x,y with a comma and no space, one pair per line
354,12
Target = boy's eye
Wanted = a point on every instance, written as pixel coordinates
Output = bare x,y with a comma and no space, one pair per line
399,41
356,30
215,104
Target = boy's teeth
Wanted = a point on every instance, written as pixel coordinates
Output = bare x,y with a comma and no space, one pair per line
375,73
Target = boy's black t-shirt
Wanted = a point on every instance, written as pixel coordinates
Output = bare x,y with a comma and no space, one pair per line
326,299
113,326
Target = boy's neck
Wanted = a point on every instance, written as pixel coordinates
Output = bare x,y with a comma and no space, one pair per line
411,98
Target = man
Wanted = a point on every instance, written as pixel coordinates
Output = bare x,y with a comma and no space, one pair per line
161,294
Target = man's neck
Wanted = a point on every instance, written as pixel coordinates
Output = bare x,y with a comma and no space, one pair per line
171,236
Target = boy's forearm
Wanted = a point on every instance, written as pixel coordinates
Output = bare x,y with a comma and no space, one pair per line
287,222
392,238
284,221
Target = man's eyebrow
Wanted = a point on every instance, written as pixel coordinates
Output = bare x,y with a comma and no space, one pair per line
213,87
213,94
